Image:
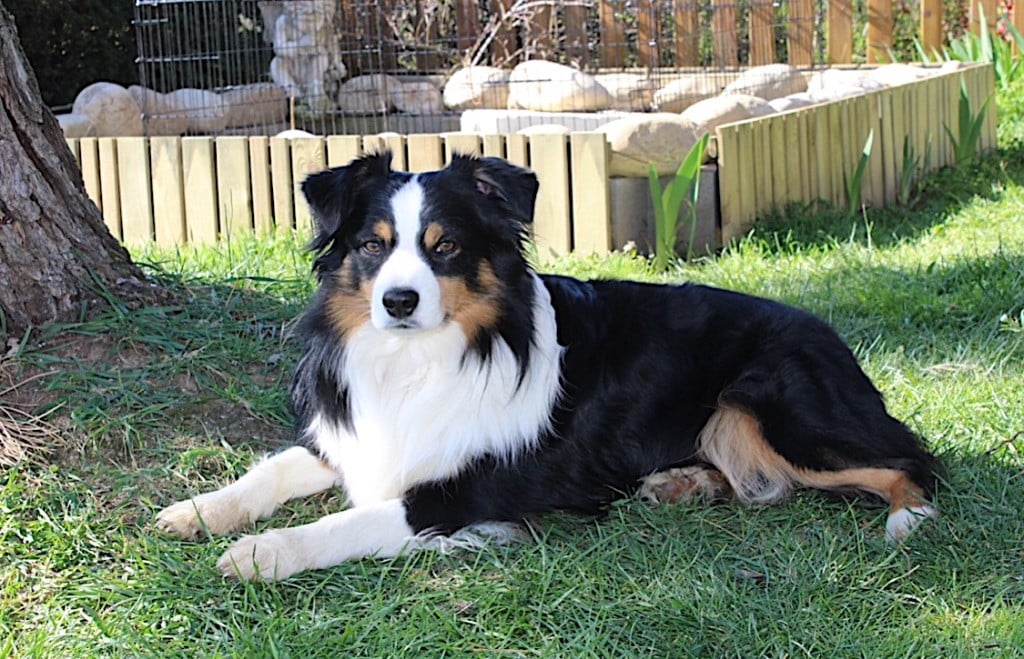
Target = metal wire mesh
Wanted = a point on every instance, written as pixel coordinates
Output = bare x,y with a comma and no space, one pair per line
366,66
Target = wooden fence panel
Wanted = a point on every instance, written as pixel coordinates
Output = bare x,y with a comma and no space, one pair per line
234,195
262,192
493,145
201,219
648,23
426,152
612,43
762,32
281,184
974,10
552,219
725,41
72,143
574,18
165,160
687,32
931,26
774,163
465,143
308,157
591,202
343,149
537,39
800,32
840,31
886,139
880,25
135,189
90,159
110,189
503,47
517,150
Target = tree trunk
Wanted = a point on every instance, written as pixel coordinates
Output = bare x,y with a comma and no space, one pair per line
56,254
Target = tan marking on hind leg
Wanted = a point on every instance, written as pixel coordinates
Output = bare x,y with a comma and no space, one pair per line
685,484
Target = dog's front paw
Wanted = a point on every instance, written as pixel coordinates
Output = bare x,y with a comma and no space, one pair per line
217,514
270,556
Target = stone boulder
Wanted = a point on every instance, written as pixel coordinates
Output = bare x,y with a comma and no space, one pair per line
158,115
683,92
205,111
369,94
838,92
258,104
791,102
552,87
630,92
841,79
76,125
891,75
768,82
544,129
713,112
111,110
418,97
477,88
660,139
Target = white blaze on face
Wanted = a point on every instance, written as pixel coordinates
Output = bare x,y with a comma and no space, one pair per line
405,267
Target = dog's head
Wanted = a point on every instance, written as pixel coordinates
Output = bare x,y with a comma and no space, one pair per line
413,252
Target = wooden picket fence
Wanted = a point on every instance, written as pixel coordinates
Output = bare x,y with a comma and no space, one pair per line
805,155
174,190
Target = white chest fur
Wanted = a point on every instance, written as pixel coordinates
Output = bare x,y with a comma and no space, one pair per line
421,411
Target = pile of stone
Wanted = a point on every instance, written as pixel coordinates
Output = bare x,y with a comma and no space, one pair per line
106,109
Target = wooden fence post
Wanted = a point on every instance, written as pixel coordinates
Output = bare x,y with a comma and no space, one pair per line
880,25
931,26
840,31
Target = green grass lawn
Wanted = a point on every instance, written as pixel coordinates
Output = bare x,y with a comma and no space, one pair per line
165,402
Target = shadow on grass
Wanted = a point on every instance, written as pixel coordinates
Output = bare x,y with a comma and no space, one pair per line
941,194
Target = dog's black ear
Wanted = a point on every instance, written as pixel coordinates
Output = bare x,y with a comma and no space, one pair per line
514,187
331,193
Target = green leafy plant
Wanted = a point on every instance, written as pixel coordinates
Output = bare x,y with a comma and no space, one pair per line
968,137
855,180
914,166
685,186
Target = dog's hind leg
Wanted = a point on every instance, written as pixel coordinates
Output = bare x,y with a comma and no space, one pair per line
287,475
681,484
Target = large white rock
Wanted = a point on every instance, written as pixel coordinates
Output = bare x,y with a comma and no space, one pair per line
258,104
553,87
111,110
418,97
477,88
660,139
768,81
839,79
631,92
890,75
158,115
683,92
711,113
76,125
204,110
791,102
369,94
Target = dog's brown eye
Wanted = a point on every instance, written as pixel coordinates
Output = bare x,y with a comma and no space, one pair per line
372,247
445,247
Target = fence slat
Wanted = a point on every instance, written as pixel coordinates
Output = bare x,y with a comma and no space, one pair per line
464,143
426,152
761,149
72,143
762,32
552,228
728,179
574,18
110,185
724,28
233,192
135,188
308,157
612,44
648,23
773,159
281,184
517,150
591,203
931,26
880,24
262,192
91,169
201,220
809,182
840,31
343,149
886,138
493,145
793,159
800,32
168,191
749,148
687,32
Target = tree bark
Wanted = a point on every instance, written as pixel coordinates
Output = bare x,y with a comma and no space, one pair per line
56,255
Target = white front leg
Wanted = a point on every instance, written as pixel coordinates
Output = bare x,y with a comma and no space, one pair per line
286,475
374,530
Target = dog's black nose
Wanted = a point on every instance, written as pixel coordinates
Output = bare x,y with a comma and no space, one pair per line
401,302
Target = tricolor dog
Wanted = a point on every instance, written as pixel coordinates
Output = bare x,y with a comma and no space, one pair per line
447,386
